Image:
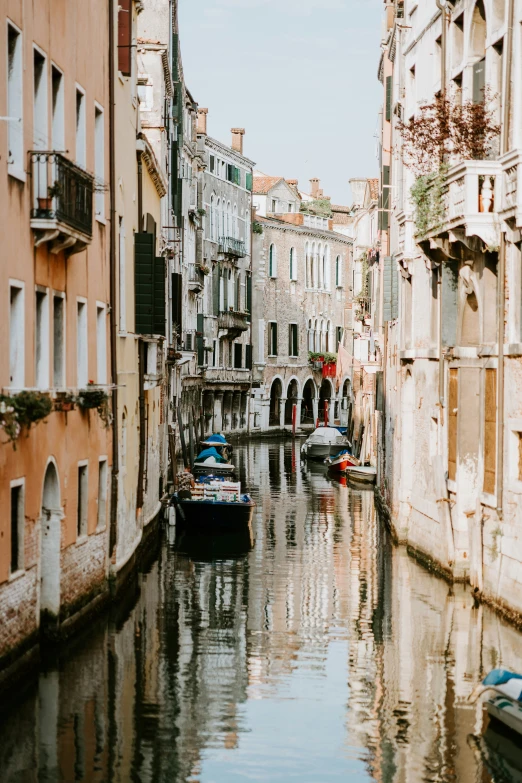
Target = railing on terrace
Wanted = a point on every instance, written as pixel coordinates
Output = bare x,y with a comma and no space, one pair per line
62,191
233,321
232,246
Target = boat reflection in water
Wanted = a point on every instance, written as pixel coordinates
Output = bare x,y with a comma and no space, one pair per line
206,547
500,750
322,654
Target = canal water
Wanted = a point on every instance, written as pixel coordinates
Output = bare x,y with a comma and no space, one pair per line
319,652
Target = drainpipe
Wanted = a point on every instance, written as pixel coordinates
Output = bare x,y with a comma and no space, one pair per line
443,45
113,533
501,290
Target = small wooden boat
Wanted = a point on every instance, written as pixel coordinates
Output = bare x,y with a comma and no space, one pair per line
214,515
500,751
505,697
324,442
341,462
214,460
365,474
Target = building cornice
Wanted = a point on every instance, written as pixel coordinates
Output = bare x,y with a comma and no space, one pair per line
218,146
306,230
151,162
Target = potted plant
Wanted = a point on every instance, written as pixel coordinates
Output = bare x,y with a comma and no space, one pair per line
22,411
95,398
205,270
64,402
45,203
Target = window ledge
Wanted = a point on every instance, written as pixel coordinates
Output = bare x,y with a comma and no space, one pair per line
515,486
81,540
452,486
488,500
16,575
513,349
16,173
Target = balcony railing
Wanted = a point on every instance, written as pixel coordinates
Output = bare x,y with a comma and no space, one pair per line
233,321
62,194
232,247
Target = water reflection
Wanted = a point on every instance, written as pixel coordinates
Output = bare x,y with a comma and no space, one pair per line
323,653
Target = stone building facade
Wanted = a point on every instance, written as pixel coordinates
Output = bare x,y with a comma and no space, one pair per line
451,458
302,277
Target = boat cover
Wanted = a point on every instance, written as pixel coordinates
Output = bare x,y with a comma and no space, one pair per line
216,438
324,435
511,683
342,453
207,453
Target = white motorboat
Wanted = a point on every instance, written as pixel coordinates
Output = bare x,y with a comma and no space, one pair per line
366,474
324,442
504,702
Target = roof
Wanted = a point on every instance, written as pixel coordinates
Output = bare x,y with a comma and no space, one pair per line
374,189
263,185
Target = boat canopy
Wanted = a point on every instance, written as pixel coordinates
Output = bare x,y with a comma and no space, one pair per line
207,453
325,435
217,438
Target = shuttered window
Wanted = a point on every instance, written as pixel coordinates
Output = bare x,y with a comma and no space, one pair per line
249,181
388,98
479,81
124,36
384,200
450,289
216,274
490,432
293,340
149,286
272,338
200,340
177,312
453,405
238,356
391,289
395,290
248,357
249,293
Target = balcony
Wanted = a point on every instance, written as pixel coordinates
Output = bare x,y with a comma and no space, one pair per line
470,206
231,246
196,278
512,188
62,202
233,322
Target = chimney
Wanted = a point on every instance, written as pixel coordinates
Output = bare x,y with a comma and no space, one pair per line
202,121
358,186
314,184
237,139
293,182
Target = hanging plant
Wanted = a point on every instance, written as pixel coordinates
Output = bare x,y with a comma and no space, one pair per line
21,411
95,398
257,228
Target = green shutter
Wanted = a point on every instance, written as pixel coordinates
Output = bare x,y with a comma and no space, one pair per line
395,290
216,274
199,339
230,172
159,297
225,290
387,284
144,283
249,181
248,357
237,175
388,98
177,302
249,294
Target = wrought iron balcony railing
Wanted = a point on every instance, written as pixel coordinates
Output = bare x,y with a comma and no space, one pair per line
232,247
62,193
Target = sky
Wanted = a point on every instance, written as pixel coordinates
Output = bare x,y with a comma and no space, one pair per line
299,75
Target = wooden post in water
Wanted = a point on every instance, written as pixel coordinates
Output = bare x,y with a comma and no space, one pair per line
195,420
294,419
191,438
326,413
173,457
182,438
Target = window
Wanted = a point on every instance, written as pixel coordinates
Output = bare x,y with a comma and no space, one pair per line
453,403
101,344
272,338
490,432
102,493
40,141
238,356
290,207
81,345
15,129
42,340
212,163
338,271
83,488
124,36
272,262
389,91
274,205
214,353
99,160
123,453
17,524
58,116
81,145
123,293
293,340
248,293
58,341
293,265
16,336
338,337
248,357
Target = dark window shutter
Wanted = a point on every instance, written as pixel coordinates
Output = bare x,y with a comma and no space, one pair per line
395,290
124,36
274,335
144,282
159,297
450,290
230,172
249,181
387,282
177,292
237,176
225,290
388,97
249,293
248,357
479,81
290,339
379,391
238,356
216,274
199,339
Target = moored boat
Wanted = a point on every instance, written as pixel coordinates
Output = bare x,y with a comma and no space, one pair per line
214,459
214,505
365,474
324,442
341,461
504,702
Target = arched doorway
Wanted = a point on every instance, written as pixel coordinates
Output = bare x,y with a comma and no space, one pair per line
325,395
276,392
50,543
307,406
291,400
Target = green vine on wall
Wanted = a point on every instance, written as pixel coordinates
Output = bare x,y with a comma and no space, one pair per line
427,195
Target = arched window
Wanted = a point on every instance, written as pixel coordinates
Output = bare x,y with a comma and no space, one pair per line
310,336
313,267
293,264
272,261
320,268
235,227
212,217
218,219
230,290
317,338
338,271
237,306
229,220
327,337
307,265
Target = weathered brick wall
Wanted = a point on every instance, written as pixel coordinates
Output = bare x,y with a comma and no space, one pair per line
83,572
18,611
